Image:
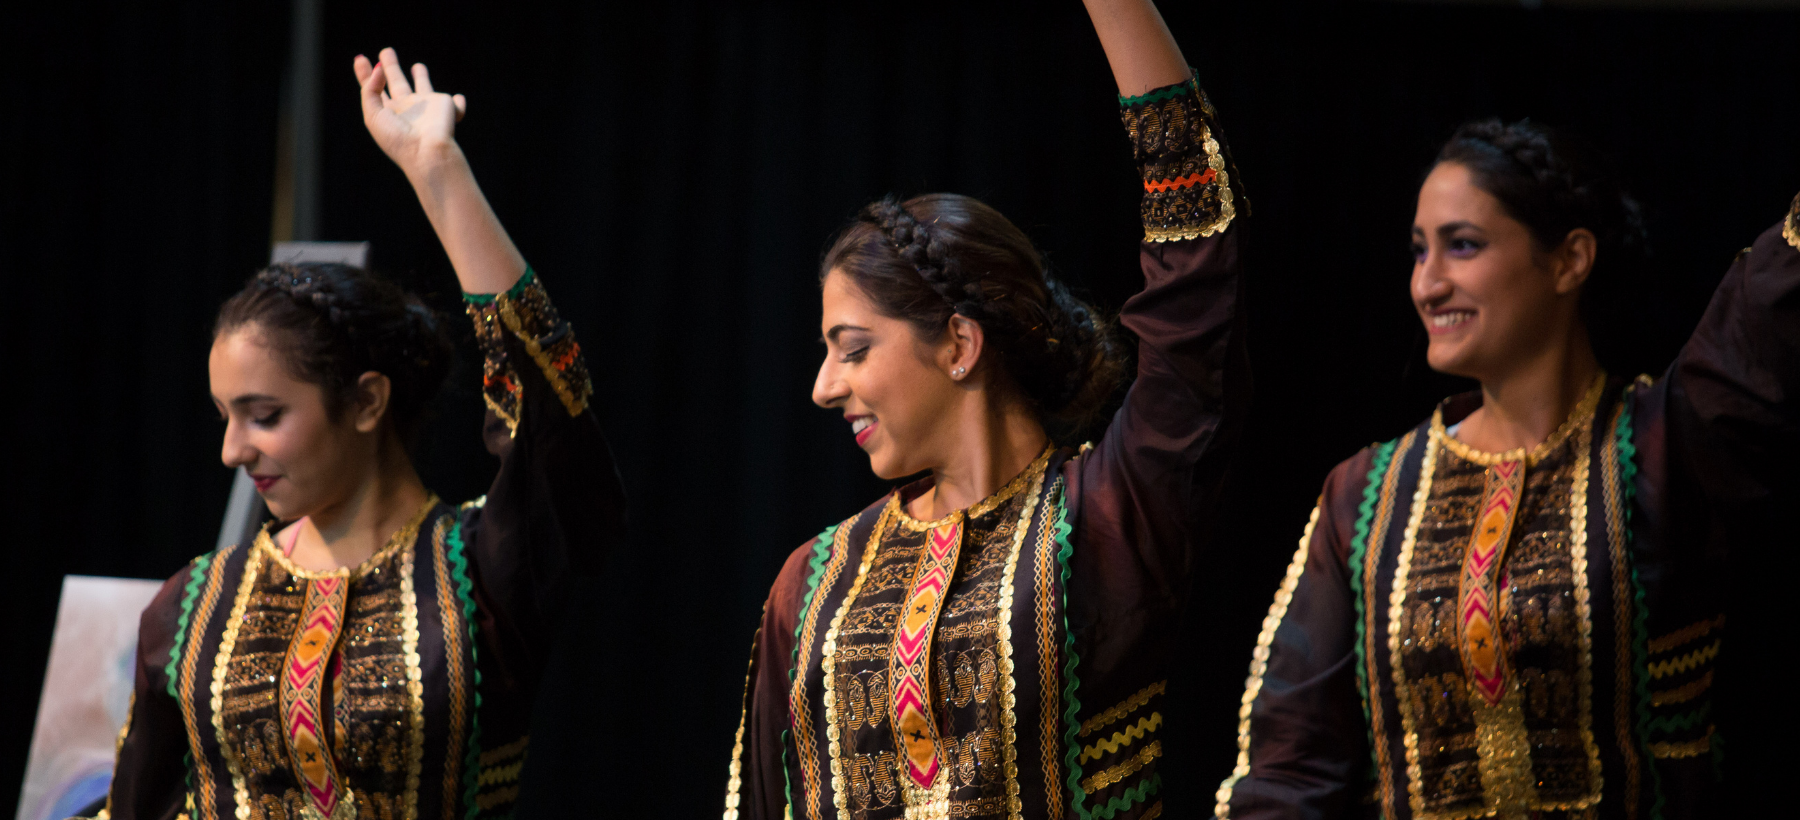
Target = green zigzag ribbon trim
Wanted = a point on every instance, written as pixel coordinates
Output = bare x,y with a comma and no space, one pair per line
465,592
513,292
1072,750
1359,545
821,552
195,576
1130,797
1167,92
1676,723
1640,637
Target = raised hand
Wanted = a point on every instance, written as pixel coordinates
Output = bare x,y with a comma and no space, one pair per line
413,124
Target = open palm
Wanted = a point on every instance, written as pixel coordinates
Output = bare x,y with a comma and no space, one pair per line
410,121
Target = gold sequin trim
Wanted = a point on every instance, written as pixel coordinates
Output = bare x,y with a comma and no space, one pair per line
1663,669
1259,663
828,665
1372,551
1397,618
1618,539
1685,634
1685,748
1049,617
203,773
1031,473
1155,811
801,716
246,585
574,397
1107,777
1790,229
401,539
450,614
1578,545
1682,694
1009,682
406,539
1578,419
1131,704
737,746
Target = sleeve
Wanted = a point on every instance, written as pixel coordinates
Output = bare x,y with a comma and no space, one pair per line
1302,739
758,784
556,507
1138,493
150,777
1733,392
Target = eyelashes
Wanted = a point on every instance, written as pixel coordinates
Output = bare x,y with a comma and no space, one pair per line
856,355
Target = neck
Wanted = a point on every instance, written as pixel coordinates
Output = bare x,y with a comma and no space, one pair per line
1005,441
1520,409
348,533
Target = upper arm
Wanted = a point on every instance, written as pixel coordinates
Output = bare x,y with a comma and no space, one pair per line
149,777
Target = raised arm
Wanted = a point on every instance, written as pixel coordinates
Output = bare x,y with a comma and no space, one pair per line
1142,52
416,127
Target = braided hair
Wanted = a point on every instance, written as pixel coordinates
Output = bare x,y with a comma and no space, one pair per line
934,256
1552,183
330,323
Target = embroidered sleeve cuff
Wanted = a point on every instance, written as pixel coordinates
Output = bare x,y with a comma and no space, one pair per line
525,312
1185,169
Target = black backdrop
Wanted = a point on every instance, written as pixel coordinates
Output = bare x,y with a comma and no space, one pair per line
674,172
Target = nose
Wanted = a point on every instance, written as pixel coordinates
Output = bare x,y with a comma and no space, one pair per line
829,389
1429,285
236,450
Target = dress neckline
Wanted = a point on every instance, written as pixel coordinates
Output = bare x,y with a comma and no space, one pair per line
982,507
1579,417
402,538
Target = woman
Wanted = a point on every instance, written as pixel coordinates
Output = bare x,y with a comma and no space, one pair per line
990,641
377,654
1517,607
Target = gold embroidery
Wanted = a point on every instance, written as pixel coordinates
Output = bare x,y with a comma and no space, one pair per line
1121,739
1682,694
1790,228
1685,748
1372,552
1008,682
1155,811
401,539
572,386
1581,416
737,746
1397,619
1618,538
1050,680
1578,542
1031,473
828,665
1118,713
450,614
1107,777
1675,666
1259,664
252,567
1685,634
801,712
203,773
498,754
406,539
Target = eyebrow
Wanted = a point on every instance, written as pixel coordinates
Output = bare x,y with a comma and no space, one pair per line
832,334
252,399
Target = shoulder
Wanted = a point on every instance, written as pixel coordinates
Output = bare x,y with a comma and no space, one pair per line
801,571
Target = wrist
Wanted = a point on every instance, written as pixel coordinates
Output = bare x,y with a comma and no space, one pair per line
433,161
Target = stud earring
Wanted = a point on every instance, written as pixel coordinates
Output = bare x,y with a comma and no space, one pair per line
958,373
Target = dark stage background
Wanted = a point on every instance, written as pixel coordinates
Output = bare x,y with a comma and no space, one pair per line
674,171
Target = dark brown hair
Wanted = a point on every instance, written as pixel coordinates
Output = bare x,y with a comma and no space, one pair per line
938,255
1552,183
331,323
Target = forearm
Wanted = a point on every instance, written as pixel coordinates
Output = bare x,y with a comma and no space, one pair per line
485,258
1138,45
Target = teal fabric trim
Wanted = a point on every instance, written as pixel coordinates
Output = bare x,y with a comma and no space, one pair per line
821,553
1144,791
1359,546
1167,92
195,577
465,592
1718,756
1640,632
1071,682
511,293
1676,723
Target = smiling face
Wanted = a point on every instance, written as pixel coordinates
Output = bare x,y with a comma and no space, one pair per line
1491,297
279,429
892,386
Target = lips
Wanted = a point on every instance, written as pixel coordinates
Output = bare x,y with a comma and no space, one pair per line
863,427
263,482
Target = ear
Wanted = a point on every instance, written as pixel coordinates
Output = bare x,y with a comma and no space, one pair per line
961,347
1573,260
371,401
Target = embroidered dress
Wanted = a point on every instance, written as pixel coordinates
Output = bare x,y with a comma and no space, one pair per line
400,688
1008,660
1465,634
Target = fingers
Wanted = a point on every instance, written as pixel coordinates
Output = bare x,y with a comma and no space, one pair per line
421,79
396,79
363,69
373,81
462,106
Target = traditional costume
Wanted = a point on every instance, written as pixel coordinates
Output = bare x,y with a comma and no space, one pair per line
1008,660
1533,634
400,688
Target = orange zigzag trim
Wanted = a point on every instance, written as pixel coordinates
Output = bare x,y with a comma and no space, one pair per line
1181,182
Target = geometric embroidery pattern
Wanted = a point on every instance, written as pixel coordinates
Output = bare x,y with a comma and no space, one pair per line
915,730
302,684
1484,656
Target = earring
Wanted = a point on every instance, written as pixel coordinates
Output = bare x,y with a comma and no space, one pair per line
958,373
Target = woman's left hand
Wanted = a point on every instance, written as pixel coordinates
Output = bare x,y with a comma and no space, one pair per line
414,125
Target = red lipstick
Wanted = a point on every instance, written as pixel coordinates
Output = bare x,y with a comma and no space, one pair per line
263,482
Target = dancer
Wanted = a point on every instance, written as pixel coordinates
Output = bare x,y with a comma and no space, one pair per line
990,641
377,654
1516,609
